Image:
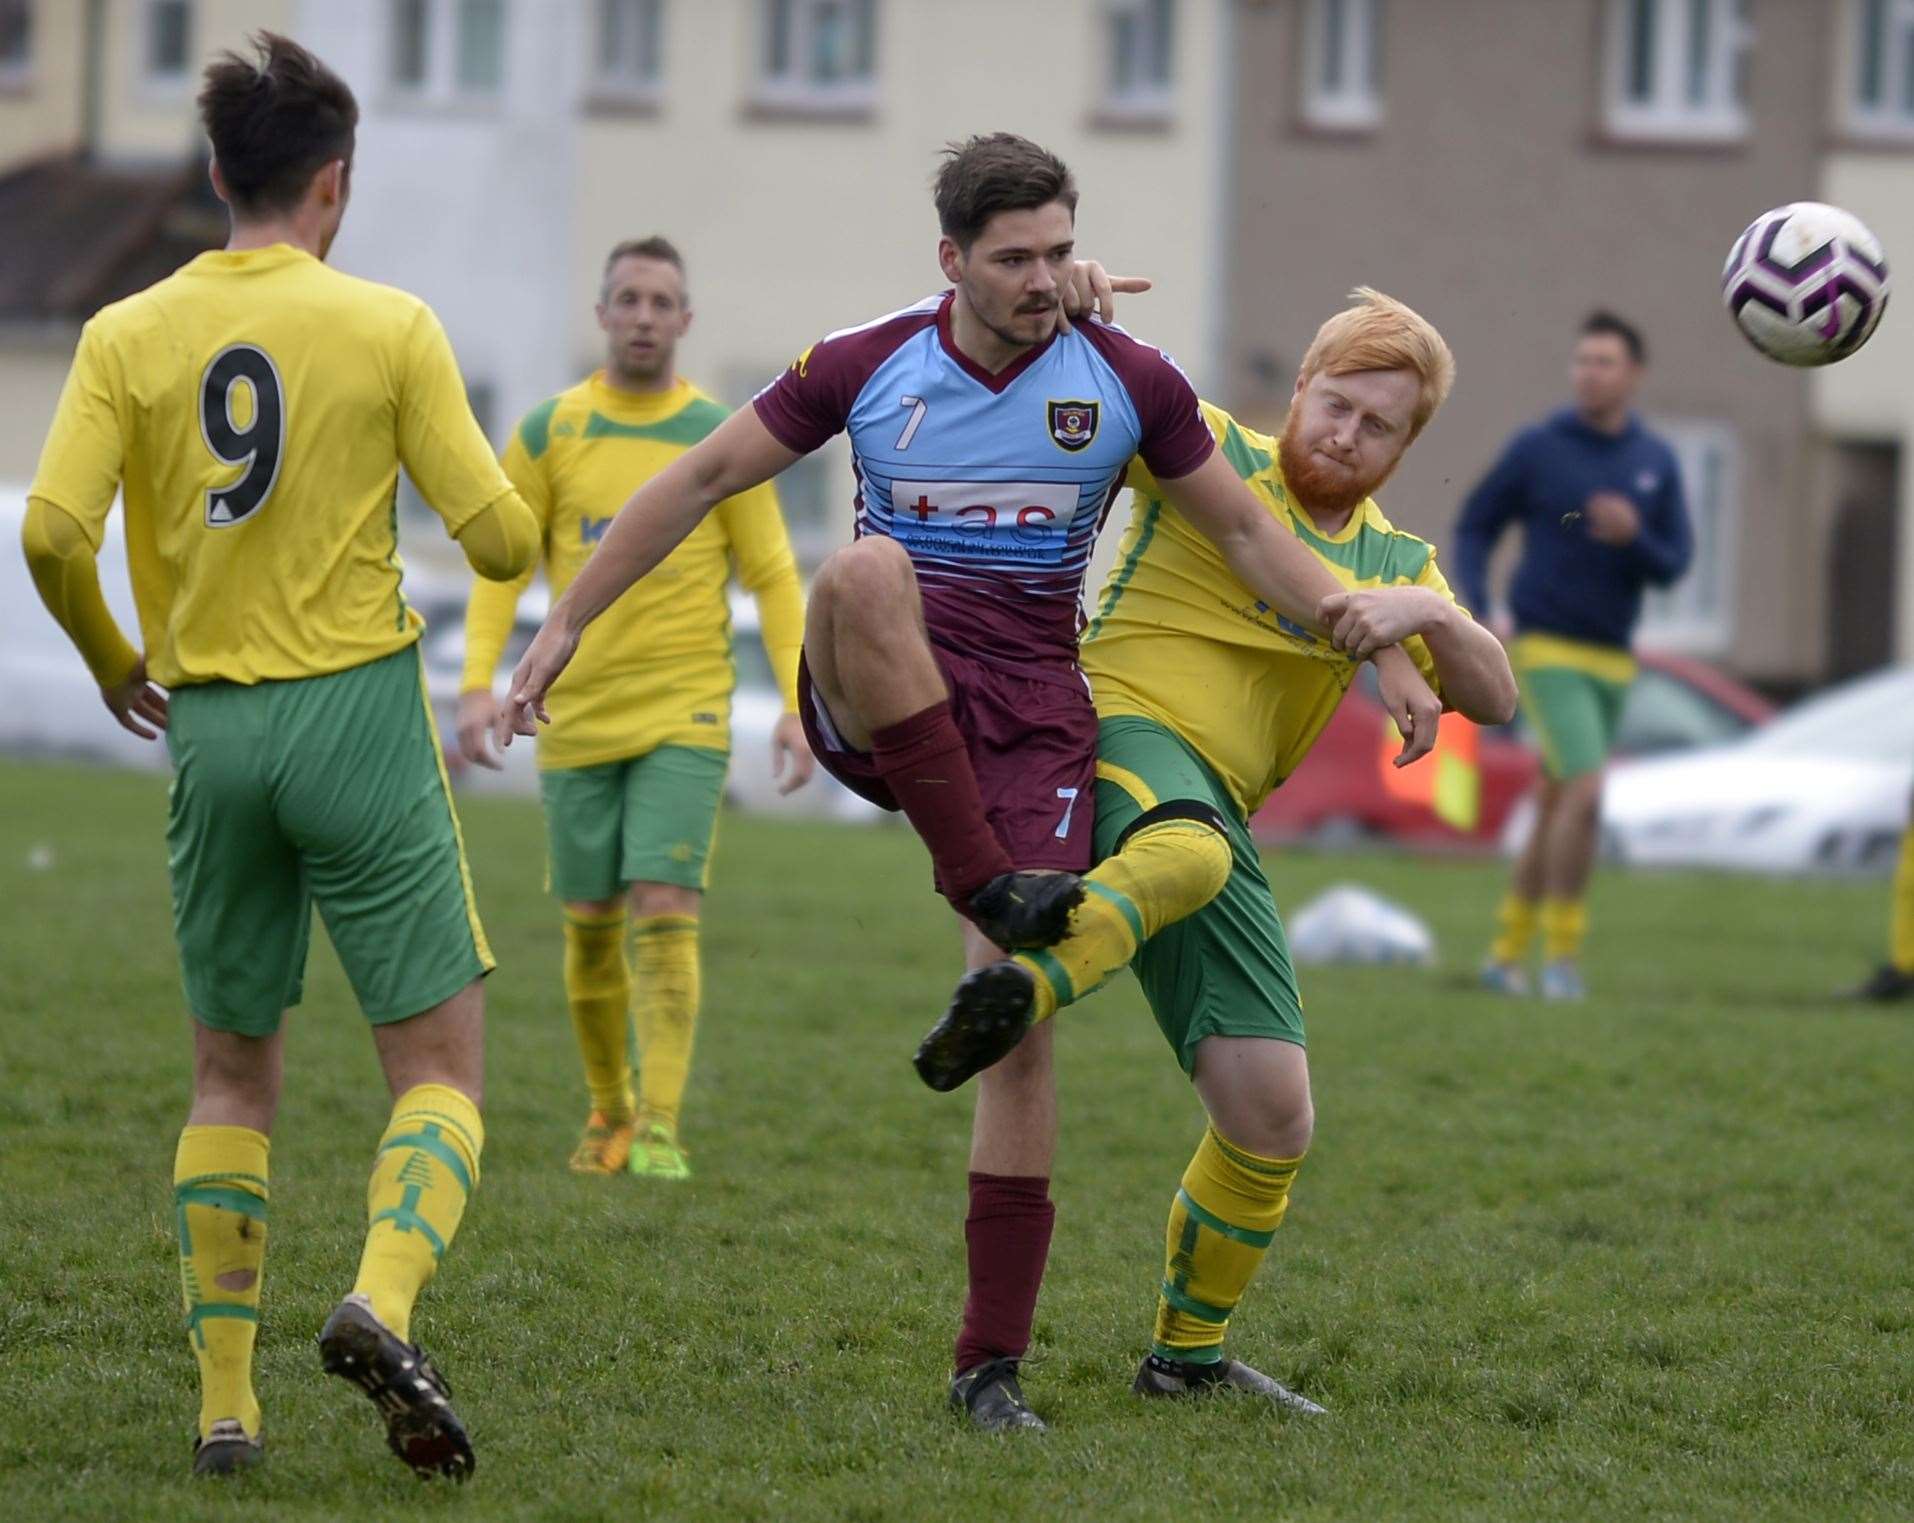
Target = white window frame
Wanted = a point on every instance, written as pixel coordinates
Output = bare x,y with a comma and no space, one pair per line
1891,118
794,88
164,83
441,85
1345,36
1669,113
16,73
638,77
1151,29
1696,616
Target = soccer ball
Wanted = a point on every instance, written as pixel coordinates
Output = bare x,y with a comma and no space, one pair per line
1806,283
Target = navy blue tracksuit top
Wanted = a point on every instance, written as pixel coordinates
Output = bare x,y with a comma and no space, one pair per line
1569,583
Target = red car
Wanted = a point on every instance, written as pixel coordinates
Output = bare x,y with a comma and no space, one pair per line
1342,786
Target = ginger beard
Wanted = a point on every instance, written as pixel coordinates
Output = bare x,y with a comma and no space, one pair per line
1320,482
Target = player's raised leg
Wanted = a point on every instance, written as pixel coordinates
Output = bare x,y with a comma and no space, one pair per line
869,661
1008,1226
1233,1197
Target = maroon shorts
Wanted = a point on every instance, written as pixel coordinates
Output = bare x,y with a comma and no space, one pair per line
1032,744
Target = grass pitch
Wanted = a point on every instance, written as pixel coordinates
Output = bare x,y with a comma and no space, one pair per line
1646,1257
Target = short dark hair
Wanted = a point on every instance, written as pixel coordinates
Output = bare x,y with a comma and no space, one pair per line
996,172
1603,321
654,247
274,119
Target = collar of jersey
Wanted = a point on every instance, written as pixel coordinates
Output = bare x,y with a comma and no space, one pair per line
1357,518
636,406
998,380
250,259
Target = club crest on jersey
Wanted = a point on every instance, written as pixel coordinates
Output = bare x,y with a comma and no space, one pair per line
1073,424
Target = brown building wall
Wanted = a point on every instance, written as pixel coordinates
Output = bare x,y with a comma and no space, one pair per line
1489,199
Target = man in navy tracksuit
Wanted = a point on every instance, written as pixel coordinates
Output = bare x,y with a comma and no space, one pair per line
1600,503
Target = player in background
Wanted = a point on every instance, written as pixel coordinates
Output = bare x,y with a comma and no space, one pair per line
1600,503
1206,700
1893,980
632,770
939,673
255,408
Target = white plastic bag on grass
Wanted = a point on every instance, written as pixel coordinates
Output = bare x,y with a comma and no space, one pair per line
1351,924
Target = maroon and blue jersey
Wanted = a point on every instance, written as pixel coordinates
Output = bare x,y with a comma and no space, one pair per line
995,484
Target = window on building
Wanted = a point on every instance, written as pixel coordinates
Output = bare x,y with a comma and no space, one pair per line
447,50
1342,64
1678,69
16,41
169,41
1139,39
818,53
630,59
1880,85
1697,614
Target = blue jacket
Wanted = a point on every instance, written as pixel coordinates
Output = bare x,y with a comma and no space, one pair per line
1567,582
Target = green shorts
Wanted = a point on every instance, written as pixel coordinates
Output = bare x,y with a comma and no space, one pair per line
645,819
329,791
1572,696
1224,971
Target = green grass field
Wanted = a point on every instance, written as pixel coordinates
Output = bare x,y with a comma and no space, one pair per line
1648,1257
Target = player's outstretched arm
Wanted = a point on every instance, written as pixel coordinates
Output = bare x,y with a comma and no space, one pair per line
1270,561
738,454
1470,663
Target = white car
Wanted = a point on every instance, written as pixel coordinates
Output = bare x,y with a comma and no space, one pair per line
1821,789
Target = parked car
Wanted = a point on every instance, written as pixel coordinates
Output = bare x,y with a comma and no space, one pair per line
1823,789
1675,704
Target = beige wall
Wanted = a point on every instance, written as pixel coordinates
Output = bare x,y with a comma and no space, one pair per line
1487,200
142,118
795,228
32,369
41,114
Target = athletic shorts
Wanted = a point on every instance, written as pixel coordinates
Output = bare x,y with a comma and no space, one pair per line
327,791
1572,696
644,819
1032,744
1224,971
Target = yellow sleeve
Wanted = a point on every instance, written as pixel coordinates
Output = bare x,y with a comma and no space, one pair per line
1431,577
445,451
493,604
762,550
501,541
79,470
60,558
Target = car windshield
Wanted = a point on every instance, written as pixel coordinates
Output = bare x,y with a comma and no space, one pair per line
1869,719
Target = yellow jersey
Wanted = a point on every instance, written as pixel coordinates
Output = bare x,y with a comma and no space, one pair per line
255,407
1179,639
656,667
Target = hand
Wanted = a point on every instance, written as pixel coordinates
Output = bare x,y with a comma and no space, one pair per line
1362,623
551,650
135,699
1612,518
1090,288
478,714
791,757
1411,703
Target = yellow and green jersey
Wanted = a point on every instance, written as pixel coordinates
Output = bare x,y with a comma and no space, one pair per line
255,408
655,668
1180,640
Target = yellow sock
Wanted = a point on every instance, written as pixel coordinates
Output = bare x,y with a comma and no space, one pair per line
1221,1223
1901,931
1163,873
219,1207
598,993
665,1009
422,1176
1564,924
1517,917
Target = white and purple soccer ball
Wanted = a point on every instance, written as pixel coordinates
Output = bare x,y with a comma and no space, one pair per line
1806,283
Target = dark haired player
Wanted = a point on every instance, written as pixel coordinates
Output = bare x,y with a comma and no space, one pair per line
939,673
255,408
1600,503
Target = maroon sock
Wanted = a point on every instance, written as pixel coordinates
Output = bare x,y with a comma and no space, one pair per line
1008,1231
924,761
